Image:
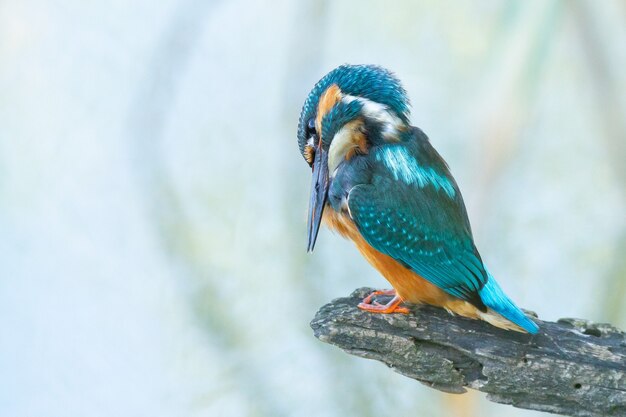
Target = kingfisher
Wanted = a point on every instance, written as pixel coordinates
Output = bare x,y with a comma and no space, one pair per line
379,182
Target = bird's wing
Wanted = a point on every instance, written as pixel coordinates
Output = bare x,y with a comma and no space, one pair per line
422,223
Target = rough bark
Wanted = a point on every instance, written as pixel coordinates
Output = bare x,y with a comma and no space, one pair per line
572,367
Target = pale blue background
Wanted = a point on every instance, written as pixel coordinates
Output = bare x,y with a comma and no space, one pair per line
153,200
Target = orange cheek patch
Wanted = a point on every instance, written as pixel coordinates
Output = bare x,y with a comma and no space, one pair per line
328,100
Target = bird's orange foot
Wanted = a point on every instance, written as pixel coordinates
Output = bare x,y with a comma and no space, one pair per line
392,306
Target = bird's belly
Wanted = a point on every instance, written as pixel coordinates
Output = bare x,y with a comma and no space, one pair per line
409,285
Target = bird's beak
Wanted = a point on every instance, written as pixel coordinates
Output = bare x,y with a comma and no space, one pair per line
319,194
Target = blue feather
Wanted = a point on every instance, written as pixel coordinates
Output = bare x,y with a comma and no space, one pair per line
494,298
403,166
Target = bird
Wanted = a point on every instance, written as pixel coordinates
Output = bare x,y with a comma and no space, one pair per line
378,181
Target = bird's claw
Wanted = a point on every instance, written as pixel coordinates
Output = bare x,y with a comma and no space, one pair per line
392,306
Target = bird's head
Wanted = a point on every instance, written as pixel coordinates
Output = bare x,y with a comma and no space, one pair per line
350,109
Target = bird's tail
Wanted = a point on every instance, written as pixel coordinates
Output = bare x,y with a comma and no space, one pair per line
495,299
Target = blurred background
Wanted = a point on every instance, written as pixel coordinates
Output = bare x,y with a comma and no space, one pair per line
153,199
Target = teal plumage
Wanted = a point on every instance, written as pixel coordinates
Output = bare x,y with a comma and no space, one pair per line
494,298
395,188
426,228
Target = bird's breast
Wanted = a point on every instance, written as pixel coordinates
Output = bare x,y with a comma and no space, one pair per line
409,285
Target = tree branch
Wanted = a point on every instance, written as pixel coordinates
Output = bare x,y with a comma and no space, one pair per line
572,367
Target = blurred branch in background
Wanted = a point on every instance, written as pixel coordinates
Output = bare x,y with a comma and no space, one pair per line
611,115
512,78
153,105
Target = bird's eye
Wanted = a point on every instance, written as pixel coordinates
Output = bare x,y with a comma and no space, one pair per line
311,126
